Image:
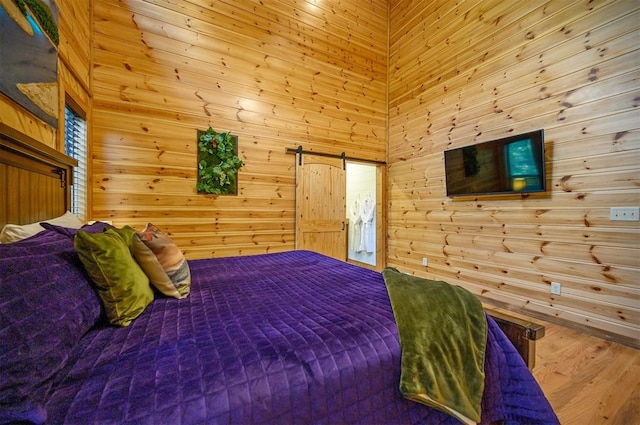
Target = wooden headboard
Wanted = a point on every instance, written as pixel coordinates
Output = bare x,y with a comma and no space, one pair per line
35,180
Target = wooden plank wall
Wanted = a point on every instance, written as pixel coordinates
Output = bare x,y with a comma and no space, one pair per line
74,69
74,54
469,71
74,49
18,118
276,73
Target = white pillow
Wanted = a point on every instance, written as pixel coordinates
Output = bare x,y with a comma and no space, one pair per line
16,232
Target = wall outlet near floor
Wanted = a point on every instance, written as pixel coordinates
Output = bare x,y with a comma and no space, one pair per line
425,261
624,214
556,288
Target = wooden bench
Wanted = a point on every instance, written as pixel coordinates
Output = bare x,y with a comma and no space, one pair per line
523,334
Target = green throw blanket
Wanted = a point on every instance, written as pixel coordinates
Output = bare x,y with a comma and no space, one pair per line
443,336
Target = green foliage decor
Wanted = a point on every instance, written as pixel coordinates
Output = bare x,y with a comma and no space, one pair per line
218,163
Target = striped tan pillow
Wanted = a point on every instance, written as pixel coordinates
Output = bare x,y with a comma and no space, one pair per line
162,261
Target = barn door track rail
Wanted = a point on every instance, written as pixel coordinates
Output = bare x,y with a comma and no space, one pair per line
342,156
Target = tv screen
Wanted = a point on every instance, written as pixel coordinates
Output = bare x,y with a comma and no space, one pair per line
514,164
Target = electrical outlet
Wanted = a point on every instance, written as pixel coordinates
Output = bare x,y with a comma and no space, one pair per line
624,214
425,261
556,288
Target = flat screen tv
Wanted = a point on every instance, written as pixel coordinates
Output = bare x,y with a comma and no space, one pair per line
510,165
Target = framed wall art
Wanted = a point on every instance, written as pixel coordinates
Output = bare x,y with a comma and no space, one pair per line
29,52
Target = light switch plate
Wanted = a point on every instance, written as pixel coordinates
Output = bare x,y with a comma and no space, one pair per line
624,213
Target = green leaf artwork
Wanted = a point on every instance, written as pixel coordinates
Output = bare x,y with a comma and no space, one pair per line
218,163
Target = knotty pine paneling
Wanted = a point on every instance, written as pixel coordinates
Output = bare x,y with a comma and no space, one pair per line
276,73
466,72
74,49
18,118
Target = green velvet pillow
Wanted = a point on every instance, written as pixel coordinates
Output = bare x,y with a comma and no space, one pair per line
122,285
126,233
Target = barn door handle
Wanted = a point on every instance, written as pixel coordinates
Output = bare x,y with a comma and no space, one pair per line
343,225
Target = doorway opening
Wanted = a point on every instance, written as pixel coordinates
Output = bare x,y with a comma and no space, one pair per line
363,199
340,207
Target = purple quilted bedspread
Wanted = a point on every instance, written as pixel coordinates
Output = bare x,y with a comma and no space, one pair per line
286,338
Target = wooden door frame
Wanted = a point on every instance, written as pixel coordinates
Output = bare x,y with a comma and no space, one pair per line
381,218
381,203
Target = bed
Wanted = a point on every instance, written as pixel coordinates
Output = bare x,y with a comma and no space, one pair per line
284,338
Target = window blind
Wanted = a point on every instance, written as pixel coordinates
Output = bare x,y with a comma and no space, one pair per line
75,146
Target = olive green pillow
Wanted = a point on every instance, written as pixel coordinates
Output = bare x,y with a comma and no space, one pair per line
122,285
126,233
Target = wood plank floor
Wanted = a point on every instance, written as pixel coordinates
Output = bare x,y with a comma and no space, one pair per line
588,380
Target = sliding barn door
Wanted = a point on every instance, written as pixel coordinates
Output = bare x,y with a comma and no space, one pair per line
320,206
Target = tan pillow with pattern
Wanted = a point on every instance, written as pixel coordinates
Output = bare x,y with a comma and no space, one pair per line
162,261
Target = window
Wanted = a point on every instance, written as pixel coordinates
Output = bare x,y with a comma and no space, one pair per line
75,146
